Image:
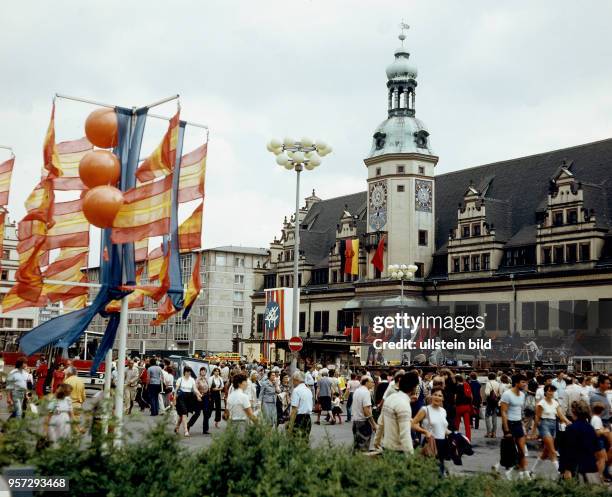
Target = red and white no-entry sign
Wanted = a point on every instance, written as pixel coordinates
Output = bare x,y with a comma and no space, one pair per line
296,344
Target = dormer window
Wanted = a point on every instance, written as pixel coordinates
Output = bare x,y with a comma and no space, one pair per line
476,230
572,216
379,140
558,218
466,231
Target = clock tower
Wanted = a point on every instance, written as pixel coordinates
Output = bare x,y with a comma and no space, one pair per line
401,186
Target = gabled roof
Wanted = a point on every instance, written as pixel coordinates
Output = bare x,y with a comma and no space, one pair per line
523,185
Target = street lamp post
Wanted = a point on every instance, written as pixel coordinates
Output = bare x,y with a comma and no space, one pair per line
297,155
402,272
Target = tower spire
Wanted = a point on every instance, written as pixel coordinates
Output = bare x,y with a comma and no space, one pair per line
401,82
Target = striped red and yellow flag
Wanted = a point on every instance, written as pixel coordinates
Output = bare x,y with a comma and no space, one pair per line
195,282
69,266
193,172
141,250
6,170
76,303
152,291
165,310
145,213
51,161
70,226
155,261
161,161
70,154
190,231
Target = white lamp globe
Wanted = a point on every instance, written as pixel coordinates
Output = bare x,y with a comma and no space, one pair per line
289,166
403,267
320,144
282,159
290,154
400,274
306,142
277,151
274,143
314,159
412,268
288,141
309,166
392,267
270,147
394,275
298,156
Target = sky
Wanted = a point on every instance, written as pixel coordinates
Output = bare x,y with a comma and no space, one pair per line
497,80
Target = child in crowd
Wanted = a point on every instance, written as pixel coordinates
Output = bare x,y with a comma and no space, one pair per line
336,409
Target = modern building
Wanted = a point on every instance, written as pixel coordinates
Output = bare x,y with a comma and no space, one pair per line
525,243
220,317
13,324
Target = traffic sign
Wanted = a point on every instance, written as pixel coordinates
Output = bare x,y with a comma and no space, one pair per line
296,344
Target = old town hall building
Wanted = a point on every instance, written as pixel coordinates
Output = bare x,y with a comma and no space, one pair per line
526,242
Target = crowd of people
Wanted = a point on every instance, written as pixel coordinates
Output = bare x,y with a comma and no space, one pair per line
390,410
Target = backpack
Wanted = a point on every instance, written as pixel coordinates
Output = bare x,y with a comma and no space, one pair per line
492,399
467,390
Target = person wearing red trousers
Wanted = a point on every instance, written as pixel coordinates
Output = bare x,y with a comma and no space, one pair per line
464,404
41,376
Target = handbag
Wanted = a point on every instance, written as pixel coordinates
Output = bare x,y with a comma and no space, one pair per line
430,449
317,408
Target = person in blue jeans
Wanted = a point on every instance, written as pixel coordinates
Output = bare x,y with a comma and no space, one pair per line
154,387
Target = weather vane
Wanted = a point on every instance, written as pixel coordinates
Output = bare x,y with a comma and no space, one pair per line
404,27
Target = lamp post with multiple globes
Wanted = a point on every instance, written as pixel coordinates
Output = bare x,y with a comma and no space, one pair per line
297,155
402,272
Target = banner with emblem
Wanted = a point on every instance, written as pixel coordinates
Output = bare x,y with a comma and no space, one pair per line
278,313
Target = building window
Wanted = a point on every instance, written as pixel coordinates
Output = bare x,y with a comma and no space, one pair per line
466,231
476,230
238,312
559,255
573,314
302,322
260,323
378,171
605,313
238,261
400,188
321,322
400,169
6,254
485,261
25,323
421,169
423,238
220,260
334,276
546,255
456,267
497,317
239,296
585,251
4,274
237,330
558,218
6,323
466,262
475,263
420,269
572,216
239,279
571,252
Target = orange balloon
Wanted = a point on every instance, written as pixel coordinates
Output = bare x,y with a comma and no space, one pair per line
101,128
99,167
101,204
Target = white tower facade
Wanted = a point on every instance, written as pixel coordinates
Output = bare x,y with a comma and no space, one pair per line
401,188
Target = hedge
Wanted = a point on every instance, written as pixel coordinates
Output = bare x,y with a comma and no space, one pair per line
253,462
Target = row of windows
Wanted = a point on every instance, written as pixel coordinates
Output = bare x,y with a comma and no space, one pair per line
568,253
567,216
21,323
400,170
475,262
287,256
221,260
468,230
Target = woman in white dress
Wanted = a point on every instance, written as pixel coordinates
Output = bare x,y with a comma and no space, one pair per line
58,424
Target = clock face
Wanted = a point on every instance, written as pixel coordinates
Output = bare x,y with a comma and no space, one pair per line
423,195
378,205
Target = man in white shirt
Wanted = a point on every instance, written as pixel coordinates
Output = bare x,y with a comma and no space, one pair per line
17,387
395,421
559,381
301,406
363,421
492,395
309,381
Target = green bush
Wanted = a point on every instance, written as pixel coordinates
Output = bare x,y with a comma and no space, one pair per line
255,462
